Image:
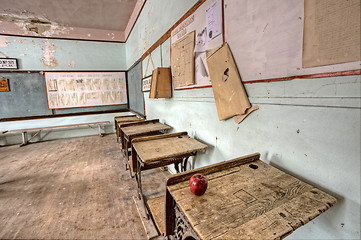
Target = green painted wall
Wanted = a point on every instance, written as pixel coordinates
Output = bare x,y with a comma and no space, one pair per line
28,95
66,55
155,19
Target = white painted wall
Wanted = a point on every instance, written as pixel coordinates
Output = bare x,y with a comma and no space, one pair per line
309,128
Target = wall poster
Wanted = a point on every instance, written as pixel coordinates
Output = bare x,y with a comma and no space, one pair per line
192,41
85,89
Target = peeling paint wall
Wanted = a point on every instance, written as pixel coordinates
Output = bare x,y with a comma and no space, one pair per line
309,128
28,96
51,54
48,57
26,23
3,42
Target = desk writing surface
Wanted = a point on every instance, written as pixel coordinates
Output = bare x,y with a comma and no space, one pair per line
123,119
168,147
144,128
247,203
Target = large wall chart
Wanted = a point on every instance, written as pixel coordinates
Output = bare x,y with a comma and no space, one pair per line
85,89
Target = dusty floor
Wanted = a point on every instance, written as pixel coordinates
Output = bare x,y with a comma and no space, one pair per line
70,189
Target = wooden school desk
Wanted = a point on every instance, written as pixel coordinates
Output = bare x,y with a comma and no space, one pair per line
130,131
246,199
124,119
162,150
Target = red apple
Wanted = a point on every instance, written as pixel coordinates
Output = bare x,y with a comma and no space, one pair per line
198,184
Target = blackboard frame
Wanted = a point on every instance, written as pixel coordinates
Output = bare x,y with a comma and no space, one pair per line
14,62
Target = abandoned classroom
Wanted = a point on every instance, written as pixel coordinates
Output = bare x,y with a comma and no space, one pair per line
168,119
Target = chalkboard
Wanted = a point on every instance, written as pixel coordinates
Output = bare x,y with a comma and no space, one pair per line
27,97
134,78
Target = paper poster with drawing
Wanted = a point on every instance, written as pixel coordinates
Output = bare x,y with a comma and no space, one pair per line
214,19
201,44
85,89
207,24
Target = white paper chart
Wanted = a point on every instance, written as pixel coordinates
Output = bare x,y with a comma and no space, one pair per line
206,22
85,89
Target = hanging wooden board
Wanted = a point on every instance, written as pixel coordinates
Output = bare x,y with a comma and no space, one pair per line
229,93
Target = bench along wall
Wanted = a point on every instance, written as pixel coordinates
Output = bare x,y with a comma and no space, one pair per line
27,96
309,128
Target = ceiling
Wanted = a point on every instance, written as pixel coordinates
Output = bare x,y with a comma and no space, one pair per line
105,20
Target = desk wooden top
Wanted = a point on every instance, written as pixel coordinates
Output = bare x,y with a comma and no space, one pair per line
124,119
248,199
166,146
144,128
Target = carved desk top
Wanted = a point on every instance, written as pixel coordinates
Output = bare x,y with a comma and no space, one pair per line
246,198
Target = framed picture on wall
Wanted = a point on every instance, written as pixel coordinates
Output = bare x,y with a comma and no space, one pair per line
4,85
146,82
8,63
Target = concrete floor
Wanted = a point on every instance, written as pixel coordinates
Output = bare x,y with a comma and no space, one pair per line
74,188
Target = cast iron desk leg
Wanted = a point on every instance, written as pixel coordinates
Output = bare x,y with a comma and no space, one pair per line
138,177
127,166
126,155
184,164
25,138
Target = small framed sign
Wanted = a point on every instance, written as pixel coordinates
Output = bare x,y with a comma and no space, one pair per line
4,85
8,63
146,82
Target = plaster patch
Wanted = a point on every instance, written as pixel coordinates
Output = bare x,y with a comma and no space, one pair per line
150,12
3,42
22,54
38,28
147,37
48,59
71,64
111,35
33,25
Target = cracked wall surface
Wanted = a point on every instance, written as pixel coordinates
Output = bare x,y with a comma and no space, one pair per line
51,54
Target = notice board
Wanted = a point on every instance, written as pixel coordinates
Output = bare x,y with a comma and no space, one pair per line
266,39
85,89
206,23
331,32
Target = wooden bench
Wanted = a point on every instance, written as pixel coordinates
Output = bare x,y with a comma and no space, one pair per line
24,132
